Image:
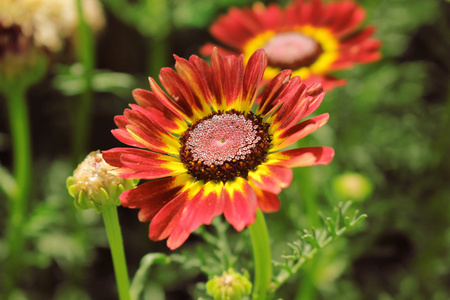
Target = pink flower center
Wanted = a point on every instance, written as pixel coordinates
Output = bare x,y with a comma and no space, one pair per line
224,145
222,138
292,50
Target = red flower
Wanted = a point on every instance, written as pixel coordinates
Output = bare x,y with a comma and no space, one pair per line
206,152
310,38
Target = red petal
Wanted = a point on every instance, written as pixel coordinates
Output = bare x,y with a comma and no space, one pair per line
177,237
328,82
150,166
349,15
148,133
237,27
267,201
158,112
142,164
239,203
168,217
218,79
272,92
271,178
294,105
166,101
197,82
302,157
199,210
151,196
298,13
208,48
234,74
112,156
299,131
253,75
205,205
270,17
358,37
181,92
124,136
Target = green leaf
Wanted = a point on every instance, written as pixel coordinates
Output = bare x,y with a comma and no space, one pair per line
7,183
140,278
70,80
331,227
359,220
314,240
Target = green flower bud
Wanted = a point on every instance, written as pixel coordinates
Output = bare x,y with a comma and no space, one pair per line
353,186
93,186
230,286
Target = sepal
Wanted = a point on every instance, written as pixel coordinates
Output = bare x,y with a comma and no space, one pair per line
93,186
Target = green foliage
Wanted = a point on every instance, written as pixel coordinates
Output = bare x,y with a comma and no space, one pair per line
8,184
201,13
139,283
70,81
149,17
389,123
313,240
54,227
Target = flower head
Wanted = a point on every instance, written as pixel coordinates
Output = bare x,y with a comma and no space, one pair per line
206,152
27,26
230,286
93,186
311,38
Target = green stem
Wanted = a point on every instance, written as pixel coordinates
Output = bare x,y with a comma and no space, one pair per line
157,59
85,53
7,183
307,187
307,289
262,257
309,195
222,243
18,118
111,220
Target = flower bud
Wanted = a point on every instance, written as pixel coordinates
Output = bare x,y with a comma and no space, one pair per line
353,186
93,186
230,286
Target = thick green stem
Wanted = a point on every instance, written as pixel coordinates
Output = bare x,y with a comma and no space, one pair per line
111,220
262,257
18,118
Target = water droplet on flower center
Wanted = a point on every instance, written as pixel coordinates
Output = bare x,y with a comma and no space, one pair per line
224,145
292,50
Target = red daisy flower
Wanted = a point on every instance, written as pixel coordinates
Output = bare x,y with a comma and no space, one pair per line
206,152
310,38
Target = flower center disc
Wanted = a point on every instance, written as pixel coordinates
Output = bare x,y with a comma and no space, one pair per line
292,50
224,145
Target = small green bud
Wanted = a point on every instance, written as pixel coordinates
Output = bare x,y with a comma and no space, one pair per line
230,286
353,186
93,186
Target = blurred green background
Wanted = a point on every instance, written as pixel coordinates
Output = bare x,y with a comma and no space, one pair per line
389,124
